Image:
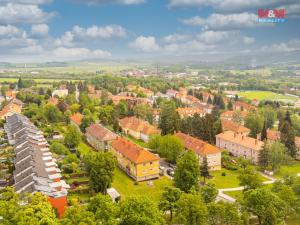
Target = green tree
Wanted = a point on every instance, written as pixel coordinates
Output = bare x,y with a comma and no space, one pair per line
101,169
169,118
86,122
20,83
250,179
287,136
140,211
169,200
263,157
209,192
223,213
72,137
105,211
187,172
143,111
78,215
230,105
266,205
277,155
204,170
58,148
9,205
254,122
191,210
263,134
52,114
38,211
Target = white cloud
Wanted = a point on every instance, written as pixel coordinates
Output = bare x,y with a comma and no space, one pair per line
30,2
79,53
103,2
94,33
10,31
290,46
248,40
222,22
12,13
176,38
39,30
145,44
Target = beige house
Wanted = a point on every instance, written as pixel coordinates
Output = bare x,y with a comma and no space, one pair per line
235,127
99,137
240,145
202,149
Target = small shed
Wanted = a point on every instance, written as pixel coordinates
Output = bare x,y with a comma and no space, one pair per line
114,195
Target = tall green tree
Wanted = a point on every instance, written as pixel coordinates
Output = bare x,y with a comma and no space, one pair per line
250,179
204,170
191,210
101,168
266,205
72,137
169,118
169,199
277,155
263,157
263,134
140,211
254,122
209,192
78,215
187,172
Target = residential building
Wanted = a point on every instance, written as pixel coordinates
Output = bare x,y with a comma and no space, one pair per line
234,115
235,127
137,128
61,92
76,119
243,106
272,135
53,101
35,169
134,160
240,145
13,106
156,115
99,137
10,94
171,93
202,149
189,112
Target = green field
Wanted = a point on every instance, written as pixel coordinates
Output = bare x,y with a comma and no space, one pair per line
38,81
293,169
267,95
127,188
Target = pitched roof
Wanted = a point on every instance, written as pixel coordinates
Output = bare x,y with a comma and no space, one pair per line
235,127
53,101
76,118
244,105
188,111
230,114
138,125
133,152
197,145
273,135
101,133
241,139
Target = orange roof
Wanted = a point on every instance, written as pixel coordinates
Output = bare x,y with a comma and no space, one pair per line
188,111
273,135
10,93
133,152
235,127
76,118
241,139
198,146
138,125
244,105
230,114
101,133
12,107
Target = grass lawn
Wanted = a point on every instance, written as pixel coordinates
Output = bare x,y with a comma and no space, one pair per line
83,148
238,195
266,95
289,170
228,181
126,187
295,220
138,142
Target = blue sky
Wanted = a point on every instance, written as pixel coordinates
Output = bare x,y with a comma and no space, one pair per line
43,30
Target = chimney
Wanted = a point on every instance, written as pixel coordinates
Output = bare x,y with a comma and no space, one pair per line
235,135
242,137
256,141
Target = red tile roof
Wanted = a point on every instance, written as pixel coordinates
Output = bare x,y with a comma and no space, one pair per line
198,146
101,133
189,111
133,152
138,125
235,127
76,118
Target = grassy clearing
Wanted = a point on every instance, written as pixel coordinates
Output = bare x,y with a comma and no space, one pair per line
127,188
38,81
83,148
293,169
138,142
228,181
266,95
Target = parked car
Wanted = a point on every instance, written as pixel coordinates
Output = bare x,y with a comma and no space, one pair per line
170,172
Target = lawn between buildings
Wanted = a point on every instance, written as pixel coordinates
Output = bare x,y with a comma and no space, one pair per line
267,95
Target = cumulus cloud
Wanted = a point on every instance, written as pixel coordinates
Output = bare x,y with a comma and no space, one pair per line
222,22
79,53
13,13
31,2
95,33
290,46
176,38
103,2
145,44
39,30
9,31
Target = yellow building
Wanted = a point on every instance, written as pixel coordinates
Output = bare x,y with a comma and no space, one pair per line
134,160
